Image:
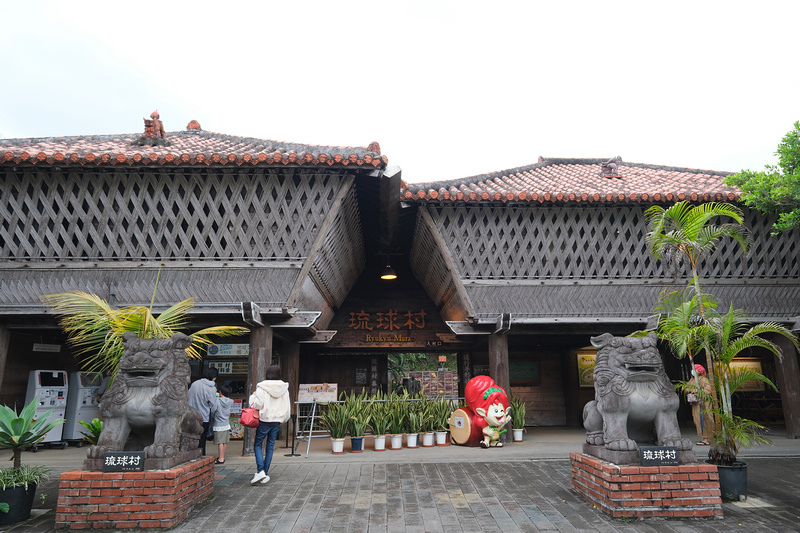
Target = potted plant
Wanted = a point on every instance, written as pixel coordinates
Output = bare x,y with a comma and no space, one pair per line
425,409
397,420
721,338
689,323
357,410
18,483
415,421
379,421
440,415
336,419
518,409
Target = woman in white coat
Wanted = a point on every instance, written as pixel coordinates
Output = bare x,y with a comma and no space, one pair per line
271,398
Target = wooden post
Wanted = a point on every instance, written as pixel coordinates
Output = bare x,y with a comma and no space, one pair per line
5,338
498,363
290,369
260,357
788,372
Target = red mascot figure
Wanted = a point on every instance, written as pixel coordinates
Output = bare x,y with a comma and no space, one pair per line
490,404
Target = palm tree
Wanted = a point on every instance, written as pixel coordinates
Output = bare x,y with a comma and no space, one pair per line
684,232
723,338
95,328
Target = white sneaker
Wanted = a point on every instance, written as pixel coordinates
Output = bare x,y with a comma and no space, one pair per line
266,478
260,476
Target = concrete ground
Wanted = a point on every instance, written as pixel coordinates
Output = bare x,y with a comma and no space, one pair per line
520,487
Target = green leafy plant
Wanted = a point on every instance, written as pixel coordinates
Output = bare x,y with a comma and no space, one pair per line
23,476
18,431
94,427
379,414
336,419
95,328
23,429
722,337
357,410
777,188
518,410
689,322
440,413
397,413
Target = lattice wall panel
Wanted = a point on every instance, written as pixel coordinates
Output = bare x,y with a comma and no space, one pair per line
170,214
590,243
341,259
430,266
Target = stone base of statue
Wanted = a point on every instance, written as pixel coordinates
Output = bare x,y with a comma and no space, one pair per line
634,491
133,500
628,457
151,463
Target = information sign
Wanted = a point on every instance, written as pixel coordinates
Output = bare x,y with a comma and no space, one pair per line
123,462
658,455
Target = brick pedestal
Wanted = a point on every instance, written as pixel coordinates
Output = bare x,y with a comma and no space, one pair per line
126,500
683,491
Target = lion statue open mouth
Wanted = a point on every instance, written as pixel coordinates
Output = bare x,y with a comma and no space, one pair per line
147,406
634,398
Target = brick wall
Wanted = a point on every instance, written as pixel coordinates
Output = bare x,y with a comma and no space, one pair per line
683,491
126,500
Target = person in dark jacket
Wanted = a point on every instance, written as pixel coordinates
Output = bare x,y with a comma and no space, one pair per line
203,396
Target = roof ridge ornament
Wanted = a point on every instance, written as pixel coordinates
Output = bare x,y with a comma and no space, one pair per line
610,168
154,134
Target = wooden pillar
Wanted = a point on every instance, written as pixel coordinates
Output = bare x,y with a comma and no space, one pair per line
498,363
788,372
290,369
5,339
464,367
260,357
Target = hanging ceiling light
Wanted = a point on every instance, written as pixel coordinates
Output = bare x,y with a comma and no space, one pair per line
388,272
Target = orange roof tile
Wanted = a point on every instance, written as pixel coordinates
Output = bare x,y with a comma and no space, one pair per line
578,181
192,147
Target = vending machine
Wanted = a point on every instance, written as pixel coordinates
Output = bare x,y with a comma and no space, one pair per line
81,403
49,389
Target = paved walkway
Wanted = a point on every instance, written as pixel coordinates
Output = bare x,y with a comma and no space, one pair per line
521,487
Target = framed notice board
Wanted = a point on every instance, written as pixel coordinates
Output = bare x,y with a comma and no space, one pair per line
524,372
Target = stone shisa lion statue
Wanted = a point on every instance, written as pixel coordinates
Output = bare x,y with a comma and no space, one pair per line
147,406
634,400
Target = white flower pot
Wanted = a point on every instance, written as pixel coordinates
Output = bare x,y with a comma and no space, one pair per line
379,443
412,440
396,442
427,439
337,446
517,434
441,438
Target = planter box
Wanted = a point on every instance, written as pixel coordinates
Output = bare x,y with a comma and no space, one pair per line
20,502
127,500
682,491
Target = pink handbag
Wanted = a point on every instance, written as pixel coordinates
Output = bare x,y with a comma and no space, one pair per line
249,417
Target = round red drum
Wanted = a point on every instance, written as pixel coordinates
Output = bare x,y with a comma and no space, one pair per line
462,427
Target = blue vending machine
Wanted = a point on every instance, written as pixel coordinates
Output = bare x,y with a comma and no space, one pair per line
81,403
49,388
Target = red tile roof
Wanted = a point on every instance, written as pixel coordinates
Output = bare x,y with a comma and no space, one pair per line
578,181
191,147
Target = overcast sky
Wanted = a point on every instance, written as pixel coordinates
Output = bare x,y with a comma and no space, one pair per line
449,89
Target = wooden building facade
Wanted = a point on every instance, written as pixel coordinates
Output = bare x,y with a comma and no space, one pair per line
510,272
